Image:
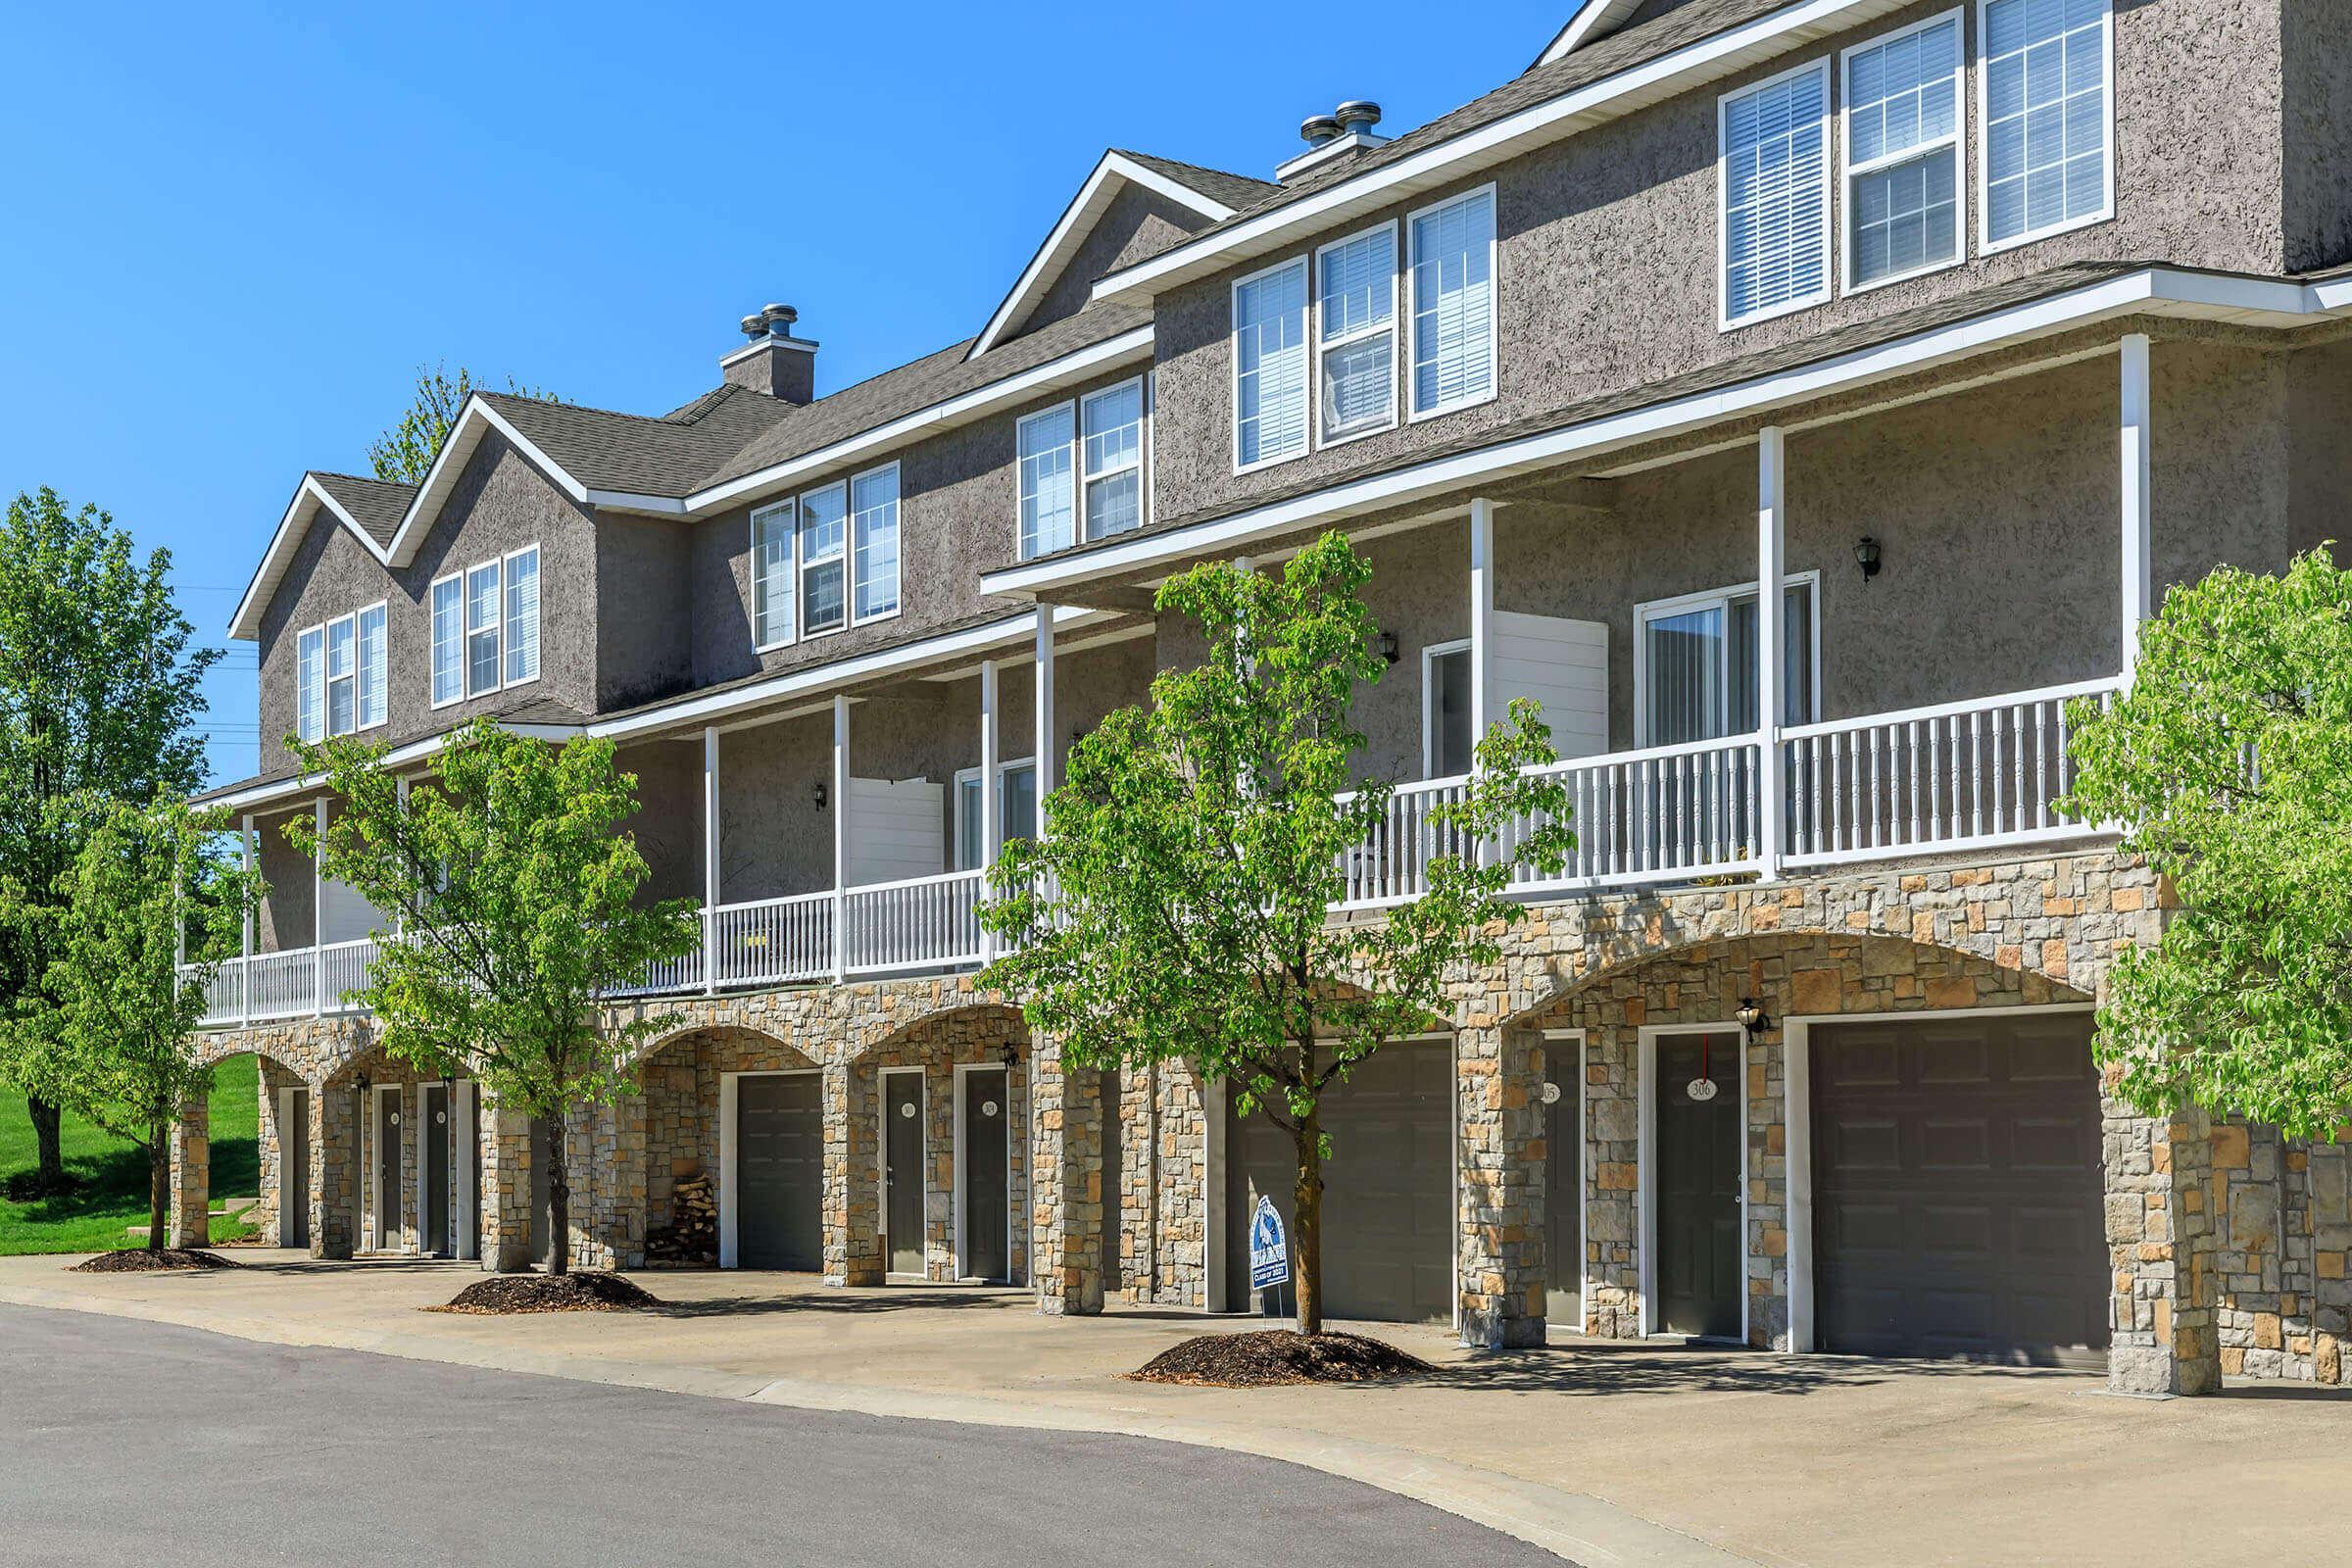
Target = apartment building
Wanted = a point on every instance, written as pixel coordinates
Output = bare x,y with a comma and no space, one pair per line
1805,400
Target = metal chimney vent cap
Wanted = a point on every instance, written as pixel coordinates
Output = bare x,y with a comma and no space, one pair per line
1317,129
753,325
1356,115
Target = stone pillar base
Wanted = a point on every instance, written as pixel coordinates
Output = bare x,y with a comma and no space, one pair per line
506,1193
335,1171
1502,1156
1068,1196
191,1176
2164,1323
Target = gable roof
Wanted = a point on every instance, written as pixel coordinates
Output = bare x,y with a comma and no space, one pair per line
1594,18
668,455
370,509
1212,193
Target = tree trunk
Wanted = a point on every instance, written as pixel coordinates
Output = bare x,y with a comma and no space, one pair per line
558,1199
159,1189
45,1119
1307,1207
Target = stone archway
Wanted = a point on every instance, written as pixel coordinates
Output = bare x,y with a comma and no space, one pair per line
670,1141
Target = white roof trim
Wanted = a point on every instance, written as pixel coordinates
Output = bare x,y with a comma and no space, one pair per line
1457,158
284,789
310,499
442,477
1077,219
2163,290
1596,20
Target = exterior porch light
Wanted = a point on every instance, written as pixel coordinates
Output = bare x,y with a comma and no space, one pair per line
1752,1015
1387,647
1013,1058
821,794
1866,556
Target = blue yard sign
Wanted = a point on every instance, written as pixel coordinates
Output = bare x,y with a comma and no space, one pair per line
1269,1251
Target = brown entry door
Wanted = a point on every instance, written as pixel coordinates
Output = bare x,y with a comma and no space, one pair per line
1957,1198
1698,1274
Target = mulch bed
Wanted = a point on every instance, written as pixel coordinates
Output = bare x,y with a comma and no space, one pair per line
1274,1356
588,1292
139,1261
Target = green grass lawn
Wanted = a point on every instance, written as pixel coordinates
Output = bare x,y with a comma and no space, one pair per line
112,1196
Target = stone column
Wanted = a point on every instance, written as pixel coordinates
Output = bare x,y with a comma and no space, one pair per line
191,1176
2159,1237
852,1217
334,1170
1501,1154
616,1179
506,1195
1066,1202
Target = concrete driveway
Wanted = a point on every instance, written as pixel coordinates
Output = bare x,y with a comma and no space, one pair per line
1639,1453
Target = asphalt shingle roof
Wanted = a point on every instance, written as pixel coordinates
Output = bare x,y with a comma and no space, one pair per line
1236,191
375,505
665,456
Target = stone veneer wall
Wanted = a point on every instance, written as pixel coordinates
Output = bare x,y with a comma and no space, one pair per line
2282,1250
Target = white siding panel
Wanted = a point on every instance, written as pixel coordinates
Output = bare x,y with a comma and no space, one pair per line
897,830
1563,664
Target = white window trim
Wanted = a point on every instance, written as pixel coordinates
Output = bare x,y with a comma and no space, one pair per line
1076,444
1654,609
326,682
385,688
301,709
801,566
1429,694
791,504
506,619
1320,342
432,638
1233,346
1407,351
1725,322
1849,169
1987,245
1079,477
849,546
971,775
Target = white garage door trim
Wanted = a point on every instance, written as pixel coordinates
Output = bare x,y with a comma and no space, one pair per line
1796,1041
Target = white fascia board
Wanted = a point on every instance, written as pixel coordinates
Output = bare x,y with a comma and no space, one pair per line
2187,293
2330,296
1054,254
442,477
1071,367
308,784
625,501
310,497
1597,19
1459,157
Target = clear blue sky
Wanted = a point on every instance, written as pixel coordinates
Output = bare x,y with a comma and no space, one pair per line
237,231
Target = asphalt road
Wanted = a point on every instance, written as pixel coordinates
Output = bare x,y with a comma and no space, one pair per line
137,1443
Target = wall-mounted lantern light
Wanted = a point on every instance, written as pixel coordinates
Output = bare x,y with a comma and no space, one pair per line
1752,1015
1866,556
821,794
1386,646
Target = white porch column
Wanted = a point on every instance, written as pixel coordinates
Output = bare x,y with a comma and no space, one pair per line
1772,510
711,877
989,809
318,920
400,798
245,943
1049,755
841,837
2139,594
1481,616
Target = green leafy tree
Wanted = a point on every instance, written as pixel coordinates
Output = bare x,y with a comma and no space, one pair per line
515,886
141,922
1178,905
2229,764
99,693
404,453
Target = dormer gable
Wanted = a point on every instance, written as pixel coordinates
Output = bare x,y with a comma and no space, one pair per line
372,509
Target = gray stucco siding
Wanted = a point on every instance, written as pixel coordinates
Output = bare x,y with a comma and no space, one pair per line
1606,242
644,609
1139,223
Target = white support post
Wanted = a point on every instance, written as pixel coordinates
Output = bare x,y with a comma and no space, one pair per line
400,798
245,942
1049,754
2139,594
1481,616
711,875
991,811
318,920
841,838
1771,513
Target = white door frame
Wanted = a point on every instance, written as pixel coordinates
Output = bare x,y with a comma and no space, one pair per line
375,1132
425,1160
956,1205
1645,1218
465,1139
286,1227
922,1123
1796,1044
1583,1170
728,1105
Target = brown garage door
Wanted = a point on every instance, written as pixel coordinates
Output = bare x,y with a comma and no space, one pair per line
1956,1190
1388,1199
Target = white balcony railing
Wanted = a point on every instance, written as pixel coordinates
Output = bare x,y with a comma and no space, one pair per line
1969,775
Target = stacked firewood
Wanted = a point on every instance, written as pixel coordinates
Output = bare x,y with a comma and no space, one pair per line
690,1237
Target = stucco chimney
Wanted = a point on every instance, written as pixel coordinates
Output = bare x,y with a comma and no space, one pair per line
772,362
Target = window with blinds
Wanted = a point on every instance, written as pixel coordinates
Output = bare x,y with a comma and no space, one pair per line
824,520
523,616
1694,663
1902,153
2045,77
339,675
1774,189
1270,366
372,666
1049,504
1454,303
310,684
773,596
1112,424
1356,326
448,641
874,543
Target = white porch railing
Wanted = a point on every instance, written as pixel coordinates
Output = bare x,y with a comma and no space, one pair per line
921,923
771,942
291,983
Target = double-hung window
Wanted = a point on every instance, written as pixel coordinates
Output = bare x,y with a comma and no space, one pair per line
1355,333
2045,76
1270,366
1049,499
824,532
339,675
1112,427
485,623
1453,302
1081,469
1773,178
772,594
1902,153
874,543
